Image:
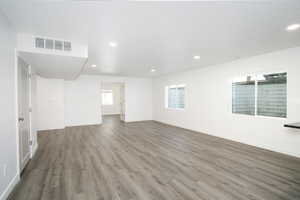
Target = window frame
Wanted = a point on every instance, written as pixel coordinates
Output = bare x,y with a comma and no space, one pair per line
256,79
167,96
112,96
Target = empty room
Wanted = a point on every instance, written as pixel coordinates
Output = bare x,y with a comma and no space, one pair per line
150,100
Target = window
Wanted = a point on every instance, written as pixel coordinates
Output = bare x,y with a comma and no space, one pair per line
175,97
49,44
263,95
58,45
67,46
243,96
107,97
271,95
39,43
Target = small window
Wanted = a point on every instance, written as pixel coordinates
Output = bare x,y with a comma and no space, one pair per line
175,97
39,43
49,44
58,45
263,95
107,97
67,46
243,96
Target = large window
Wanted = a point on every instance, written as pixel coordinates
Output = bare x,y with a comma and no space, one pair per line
107,97
263,95
175,96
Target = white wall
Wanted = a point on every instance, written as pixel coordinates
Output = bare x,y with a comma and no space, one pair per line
8,136
82,101
116,107
208,102
72,103
50,103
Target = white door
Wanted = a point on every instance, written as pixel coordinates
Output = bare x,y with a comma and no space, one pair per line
23,115
122,102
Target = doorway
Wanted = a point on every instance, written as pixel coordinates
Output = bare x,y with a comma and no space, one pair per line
23,89
113,100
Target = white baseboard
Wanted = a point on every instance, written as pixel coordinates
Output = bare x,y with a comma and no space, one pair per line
10,187
34,149
110,113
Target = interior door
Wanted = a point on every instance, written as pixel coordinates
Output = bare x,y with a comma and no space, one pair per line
23,115
122,102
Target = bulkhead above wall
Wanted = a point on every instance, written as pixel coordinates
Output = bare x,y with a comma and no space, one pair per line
52,57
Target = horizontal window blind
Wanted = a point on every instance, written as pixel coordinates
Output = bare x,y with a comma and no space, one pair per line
243,97
175,97
272,95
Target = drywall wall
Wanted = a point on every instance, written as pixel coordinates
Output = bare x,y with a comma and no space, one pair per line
78,102
116,91
208,102
8,137
82,101
50,103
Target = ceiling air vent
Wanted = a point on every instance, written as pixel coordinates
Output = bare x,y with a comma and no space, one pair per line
52,44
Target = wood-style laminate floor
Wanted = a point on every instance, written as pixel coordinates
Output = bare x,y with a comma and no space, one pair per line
149,160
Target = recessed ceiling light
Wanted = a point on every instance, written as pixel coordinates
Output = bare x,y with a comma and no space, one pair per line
93,65
113,44
292,27
196,57
153,70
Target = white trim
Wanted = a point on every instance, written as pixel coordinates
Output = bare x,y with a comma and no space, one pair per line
17,111
30,153
117,113
10,187
27,157
33,142
180,109
34,149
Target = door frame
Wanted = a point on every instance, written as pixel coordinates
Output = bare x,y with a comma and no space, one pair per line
122,83
17,55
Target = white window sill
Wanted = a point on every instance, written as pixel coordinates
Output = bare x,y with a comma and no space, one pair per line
260,116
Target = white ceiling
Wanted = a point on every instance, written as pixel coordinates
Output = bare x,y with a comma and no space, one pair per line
165,35
54,66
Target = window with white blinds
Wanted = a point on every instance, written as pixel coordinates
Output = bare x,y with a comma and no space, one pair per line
175,97
264,95
271,95
243,97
